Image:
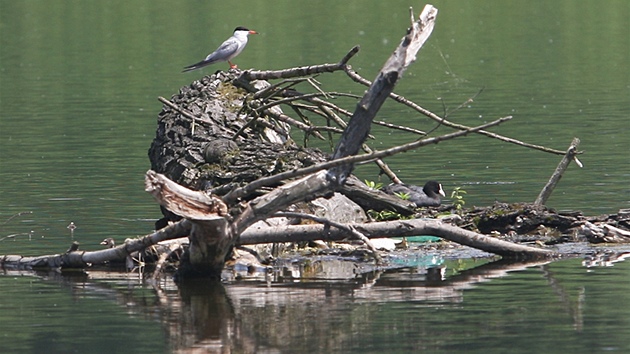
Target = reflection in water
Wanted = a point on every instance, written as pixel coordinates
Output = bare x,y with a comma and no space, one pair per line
604,258
338,310
574,308
58,101
201,316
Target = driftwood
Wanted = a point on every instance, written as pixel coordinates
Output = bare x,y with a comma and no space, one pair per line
268,204
360,122
75,258
224,158
571,155
604,233
398,228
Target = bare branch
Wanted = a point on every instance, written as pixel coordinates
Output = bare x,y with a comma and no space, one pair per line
348,228
311,129
183,201
16,215
400,127
393,69
396,228
300,71
238,193
570,155
275,88
302,97
81,259
401,99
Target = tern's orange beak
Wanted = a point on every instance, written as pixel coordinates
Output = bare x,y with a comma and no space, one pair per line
253,32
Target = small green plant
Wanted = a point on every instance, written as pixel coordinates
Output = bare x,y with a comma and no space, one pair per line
385,215
373,185
457,195
403,195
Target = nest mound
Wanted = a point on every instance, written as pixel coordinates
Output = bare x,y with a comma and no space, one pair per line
222,145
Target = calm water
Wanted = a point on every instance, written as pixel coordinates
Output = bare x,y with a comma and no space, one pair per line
78,88
479,307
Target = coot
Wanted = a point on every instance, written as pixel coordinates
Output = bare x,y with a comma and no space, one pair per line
429,195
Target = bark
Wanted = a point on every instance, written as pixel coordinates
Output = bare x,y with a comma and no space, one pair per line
250,75
224,158
398,228
183,201
604,233
75,258
360,123
571,155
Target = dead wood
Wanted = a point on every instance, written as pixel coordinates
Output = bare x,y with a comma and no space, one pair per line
398,228
360,122
264,207
350,160
604,233
443,121
302,71
571,155
349,229
224,158
75,258
183,201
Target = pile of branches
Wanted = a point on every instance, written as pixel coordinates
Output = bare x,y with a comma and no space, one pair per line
230,128
225,158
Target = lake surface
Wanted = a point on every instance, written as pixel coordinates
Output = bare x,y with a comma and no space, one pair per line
79,83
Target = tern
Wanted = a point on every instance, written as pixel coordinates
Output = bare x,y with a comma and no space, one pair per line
232,47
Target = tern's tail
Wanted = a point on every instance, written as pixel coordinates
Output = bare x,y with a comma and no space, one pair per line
198,65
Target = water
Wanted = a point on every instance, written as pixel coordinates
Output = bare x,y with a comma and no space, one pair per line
479,307
79,83
56,314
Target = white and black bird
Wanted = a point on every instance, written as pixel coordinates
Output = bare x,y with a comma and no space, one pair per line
429,195
232,47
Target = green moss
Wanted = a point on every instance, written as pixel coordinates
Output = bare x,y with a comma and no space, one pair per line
498,212
231,94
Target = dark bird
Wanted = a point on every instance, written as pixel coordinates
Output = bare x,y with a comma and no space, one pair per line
429,195
74,247
232,47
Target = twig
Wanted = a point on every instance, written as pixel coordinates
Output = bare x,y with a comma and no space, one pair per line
16,215
159,264
238,193
349,114
256,119
402,228
300,71
361,121
315,84
398,98
276,87
400,127
463,104
311,129
327,111
302,97
14,236
351,230
182,111
327,108
570,155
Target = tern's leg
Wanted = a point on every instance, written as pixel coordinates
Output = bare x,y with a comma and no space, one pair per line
232,66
